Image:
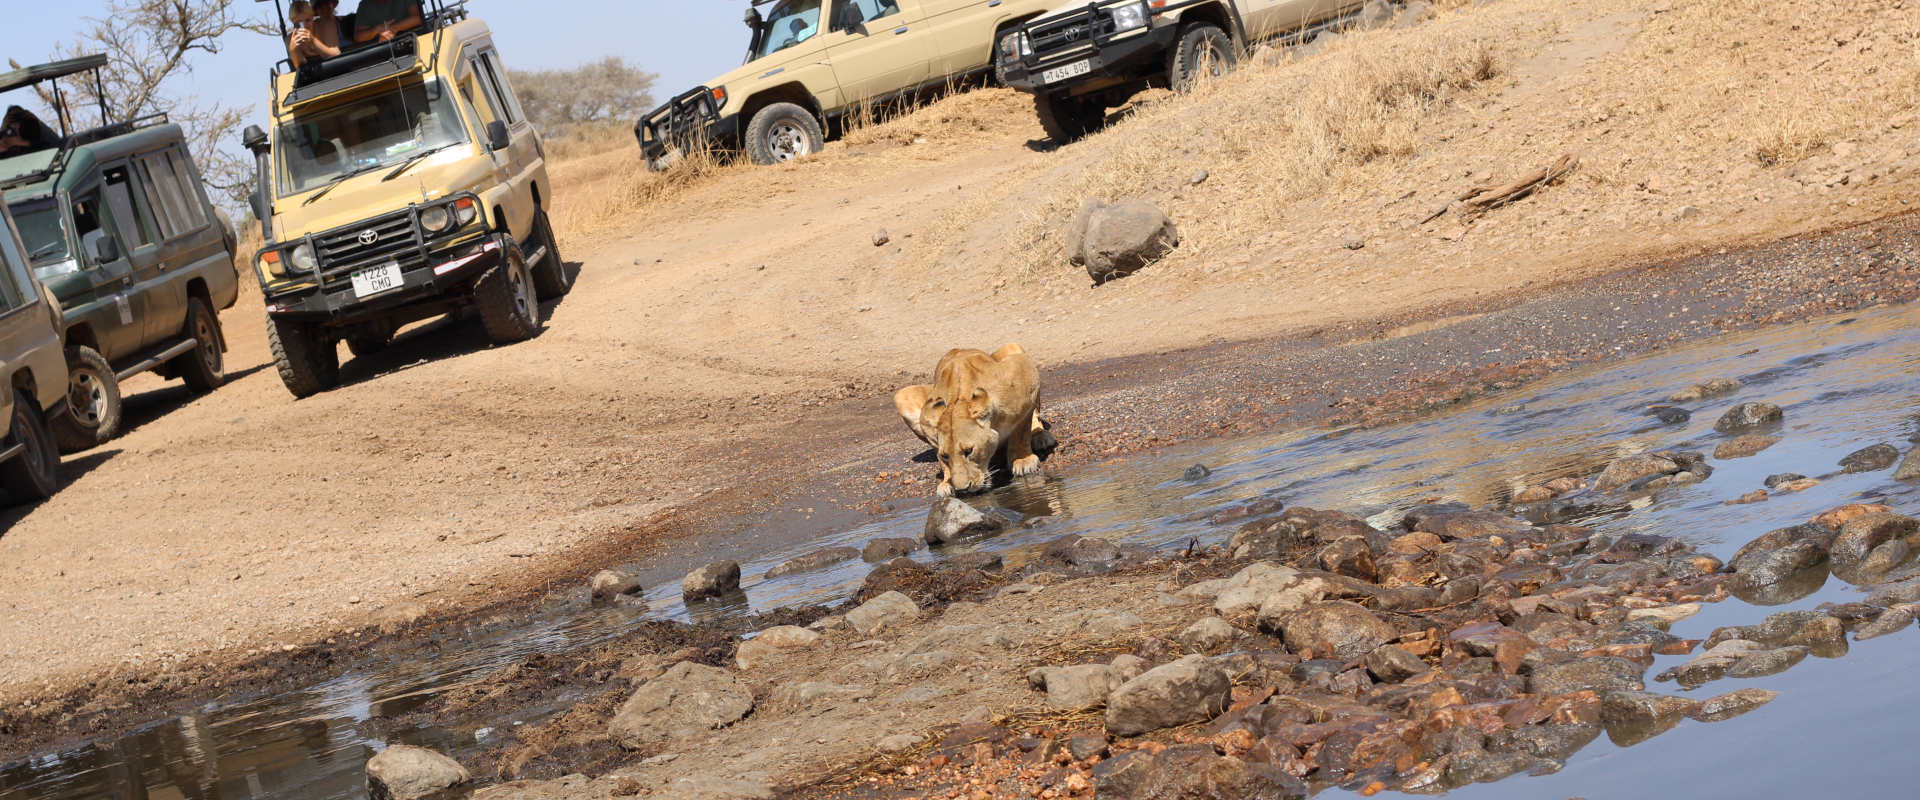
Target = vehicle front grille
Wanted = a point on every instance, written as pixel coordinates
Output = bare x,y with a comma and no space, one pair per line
1050,38
393,237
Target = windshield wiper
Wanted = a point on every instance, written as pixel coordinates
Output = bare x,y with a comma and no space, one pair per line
343,179
45,250
411,160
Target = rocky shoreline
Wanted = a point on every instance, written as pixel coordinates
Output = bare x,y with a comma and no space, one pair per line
1305,649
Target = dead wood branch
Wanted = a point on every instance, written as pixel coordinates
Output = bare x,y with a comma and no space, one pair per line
1487,197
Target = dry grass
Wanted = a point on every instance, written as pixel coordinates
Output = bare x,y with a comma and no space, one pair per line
614,188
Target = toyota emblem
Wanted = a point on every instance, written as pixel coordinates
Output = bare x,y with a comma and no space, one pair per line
369,237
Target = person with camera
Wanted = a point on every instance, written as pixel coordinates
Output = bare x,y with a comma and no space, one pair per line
316,33
21,132
381,20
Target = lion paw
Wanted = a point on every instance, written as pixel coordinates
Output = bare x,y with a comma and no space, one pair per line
1026,466
945,489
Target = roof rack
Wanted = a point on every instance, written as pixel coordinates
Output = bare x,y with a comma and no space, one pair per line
51,73
365,62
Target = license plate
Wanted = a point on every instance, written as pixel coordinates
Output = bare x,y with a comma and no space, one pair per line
1058,74
374,280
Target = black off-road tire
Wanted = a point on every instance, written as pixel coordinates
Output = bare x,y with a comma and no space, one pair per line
35,473
1068,119
303,355
550,274
204,368
92,416
1202,44
368,343
783,132
508,303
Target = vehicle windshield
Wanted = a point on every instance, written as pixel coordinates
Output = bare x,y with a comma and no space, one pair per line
320,147
41,230
791,23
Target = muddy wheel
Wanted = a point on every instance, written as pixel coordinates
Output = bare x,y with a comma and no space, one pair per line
35,473
550,273
93,402
1204,49
204,367
305,358
783,132
1067,119
509,308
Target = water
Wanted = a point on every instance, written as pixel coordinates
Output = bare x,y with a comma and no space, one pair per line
1845,383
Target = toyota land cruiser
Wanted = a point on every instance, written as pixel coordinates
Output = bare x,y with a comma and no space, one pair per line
401,181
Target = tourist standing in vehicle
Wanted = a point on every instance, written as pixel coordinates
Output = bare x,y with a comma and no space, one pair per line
317,33
381,20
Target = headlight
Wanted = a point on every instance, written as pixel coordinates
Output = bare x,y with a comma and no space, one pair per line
1128,17
302,257
465,211
435,219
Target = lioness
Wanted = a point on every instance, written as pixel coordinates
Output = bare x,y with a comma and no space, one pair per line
978,406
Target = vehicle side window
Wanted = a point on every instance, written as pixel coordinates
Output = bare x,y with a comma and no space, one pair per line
477,96
167,183
92,219
848,13
789,24
496,79
15,285
128,208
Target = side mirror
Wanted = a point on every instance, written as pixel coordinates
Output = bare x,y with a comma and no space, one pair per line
105,249
497,138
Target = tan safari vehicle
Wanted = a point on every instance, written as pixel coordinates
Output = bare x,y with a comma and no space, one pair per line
35,369
401,181
810,62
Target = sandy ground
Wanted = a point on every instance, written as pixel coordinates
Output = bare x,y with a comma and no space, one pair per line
711,339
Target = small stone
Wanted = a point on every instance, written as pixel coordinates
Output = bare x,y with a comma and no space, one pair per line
1393,664
1909,469
1353,243
1199,177
818,559
1890,621
1747,416
887,549
1744,445
1115,240
1777,479
1196,472
880,237
1869,459
1701,391
764,648
718,579
885,611
1664,616
608,584
899,742
405,772
1686,212
1209,633
1733,704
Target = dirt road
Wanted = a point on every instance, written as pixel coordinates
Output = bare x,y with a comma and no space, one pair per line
741,336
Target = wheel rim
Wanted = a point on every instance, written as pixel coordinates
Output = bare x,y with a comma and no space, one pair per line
1213,59
521,282
87,395
786,141
209,345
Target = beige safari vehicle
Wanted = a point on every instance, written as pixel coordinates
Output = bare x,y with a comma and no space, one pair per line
35,369
401,181
810,62
1084,58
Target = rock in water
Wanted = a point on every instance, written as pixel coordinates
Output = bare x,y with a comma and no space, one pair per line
1870,459
1189,690
686,700
815,560
1633,717
1698,391
1733,704
608,584
1622,471
1747,416
887,549
713,580
885,611
951,519
1116,240
1744,445
1860,535
1196,472
1909,469
404,772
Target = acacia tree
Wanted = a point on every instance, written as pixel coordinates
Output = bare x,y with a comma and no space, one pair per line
149,45
558,99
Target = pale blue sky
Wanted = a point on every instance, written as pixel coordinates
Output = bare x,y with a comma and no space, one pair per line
684,42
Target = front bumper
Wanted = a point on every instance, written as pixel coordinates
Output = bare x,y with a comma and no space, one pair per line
1135,54
686,123
449,272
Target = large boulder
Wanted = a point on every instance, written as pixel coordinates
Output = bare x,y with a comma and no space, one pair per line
1114,240
405,772
951,519
686,700
1332,629
885,611
1189,690
717,579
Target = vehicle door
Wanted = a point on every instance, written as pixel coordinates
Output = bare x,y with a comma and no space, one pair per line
27,338
517,162
119,309
1265,19
963,31
878,48
167,189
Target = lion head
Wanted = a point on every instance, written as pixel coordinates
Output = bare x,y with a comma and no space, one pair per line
966,440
